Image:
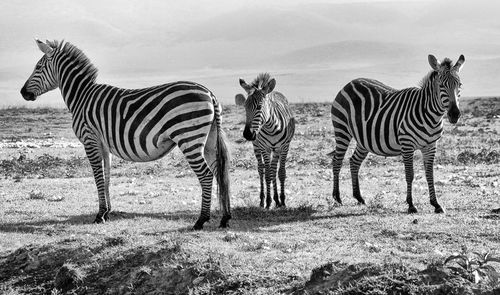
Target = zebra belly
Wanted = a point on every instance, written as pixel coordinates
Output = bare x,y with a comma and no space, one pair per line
380,141
164,147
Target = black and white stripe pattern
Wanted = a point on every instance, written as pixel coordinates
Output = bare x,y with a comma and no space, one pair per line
390,122
270,126
137,125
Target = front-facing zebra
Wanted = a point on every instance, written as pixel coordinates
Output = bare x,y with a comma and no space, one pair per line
137,125
390,122
270,126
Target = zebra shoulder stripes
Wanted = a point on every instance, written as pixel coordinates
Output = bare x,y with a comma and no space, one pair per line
390,122
270,126
136,124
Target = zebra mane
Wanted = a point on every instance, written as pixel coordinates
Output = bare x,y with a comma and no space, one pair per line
74,53
447,64
261,80
428,79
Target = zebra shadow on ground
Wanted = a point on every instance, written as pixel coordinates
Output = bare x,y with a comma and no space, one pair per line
243,219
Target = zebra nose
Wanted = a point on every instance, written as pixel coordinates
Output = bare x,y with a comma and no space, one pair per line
454,115
26,94
248,134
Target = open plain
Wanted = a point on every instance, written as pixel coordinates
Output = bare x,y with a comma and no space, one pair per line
48,200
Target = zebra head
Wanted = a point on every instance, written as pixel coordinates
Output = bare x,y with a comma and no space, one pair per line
256,106
449,84
43,78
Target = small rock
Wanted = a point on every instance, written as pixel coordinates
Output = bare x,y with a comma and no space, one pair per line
55,199
415,221
230,237
198,280
36,195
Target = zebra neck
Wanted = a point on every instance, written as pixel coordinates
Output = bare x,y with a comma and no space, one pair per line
275,123
75,84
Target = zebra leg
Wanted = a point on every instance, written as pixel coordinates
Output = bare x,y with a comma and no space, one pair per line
205,176
106,156
428,154
282,173
408,162
260,169
354,163
338,157
274,168
267,168
95,156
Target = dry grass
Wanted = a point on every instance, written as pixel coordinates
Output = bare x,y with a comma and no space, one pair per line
148,245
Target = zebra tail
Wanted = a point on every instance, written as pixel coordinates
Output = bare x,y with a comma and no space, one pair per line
223,163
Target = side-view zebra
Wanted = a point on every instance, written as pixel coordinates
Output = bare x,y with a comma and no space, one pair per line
270,126
137,125
390,122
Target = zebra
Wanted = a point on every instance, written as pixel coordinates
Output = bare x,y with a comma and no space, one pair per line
138,125
390,122
270,126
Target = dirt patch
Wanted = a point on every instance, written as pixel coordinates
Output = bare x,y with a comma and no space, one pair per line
111,268
340,278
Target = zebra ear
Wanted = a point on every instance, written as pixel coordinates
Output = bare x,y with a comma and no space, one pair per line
239,99
248,88
52,44
433,62
46,49
270,86
460,62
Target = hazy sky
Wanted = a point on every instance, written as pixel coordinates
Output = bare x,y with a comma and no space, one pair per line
312,47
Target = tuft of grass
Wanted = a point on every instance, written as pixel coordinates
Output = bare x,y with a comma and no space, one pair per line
484,156
68,277
44,166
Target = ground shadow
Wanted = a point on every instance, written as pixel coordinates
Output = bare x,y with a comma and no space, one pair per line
243,218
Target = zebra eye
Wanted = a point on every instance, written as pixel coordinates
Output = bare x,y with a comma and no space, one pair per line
38,66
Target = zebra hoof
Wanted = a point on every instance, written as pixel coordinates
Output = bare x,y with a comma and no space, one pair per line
439,210
337,199
496,211
412,210
198,226
99,219
224,222
199,223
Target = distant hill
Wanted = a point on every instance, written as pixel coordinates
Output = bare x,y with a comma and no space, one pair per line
349,54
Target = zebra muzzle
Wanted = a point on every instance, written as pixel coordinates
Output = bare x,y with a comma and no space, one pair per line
248,134
453,115
27,95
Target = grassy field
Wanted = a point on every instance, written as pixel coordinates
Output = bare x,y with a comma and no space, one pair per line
48,244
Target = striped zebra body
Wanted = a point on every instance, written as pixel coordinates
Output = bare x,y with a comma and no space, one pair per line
270,126
138,125
390,122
